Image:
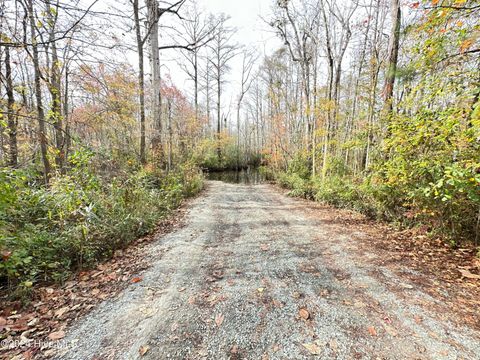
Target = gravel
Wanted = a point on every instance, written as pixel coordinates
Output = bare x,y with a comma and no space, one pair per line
230,284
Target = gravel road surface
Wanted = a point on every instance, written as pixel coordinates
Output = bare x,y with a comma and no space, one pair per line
256,275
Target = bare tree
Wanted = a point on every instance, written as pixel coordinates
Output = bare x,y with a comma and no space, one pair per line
198,32
223,51
248,62
55,116
141,79
42,135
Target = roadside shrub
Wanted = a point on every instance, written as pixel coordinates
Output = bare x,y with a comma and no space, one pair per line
297,185
80,219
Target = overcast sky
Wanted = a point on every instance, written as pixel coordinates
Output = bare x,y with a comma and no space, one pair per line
252,31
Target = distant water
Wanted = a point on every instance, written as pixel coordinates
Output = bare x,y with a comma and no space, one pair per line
250,176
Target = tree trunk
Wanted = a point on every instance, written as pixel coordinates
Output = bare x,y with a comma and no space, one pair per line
42,136
141,83
195,75
392,55
153,16
54,88
219,111
12,158
66,115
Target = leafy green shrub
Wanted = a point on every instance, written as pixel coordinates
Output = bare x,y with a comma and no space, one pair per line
80,218
296,184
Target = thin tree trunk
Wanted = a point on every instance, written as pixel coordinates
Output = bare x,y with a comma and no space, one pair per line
66,115
219,98
38,96
12,158
170,135
392,55
54,87
141,83
152,7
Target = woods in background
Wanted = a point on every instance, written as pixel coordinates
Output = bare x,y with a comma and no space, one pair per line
374,105
371,104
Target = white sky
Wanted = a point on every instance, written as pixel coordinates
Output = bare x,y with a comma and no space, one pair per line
252,31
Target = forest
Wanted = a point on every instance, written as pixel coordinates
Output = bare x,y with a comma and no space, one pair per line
371,105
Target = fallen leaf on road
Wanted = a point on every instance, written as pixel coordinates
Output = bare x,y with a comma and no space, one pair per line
136,280
359,304
333,344
297,295
304,314
260,290
95,292
57,335
143,350
372,331
219,319
390,330
314,349
467,274
3,322
277,303
62,311
218,274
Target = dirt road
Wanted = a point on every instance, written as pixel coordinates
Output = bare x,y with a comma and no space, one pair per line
255,275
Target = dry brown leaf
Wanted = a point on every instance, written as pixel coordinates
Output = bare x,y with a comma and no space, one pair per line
6,255
57,335
219,319
218,274
95,292
467,274
333,344
304,314
314,349
143,350
372,331
277,303
390,330
61,311
136,279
